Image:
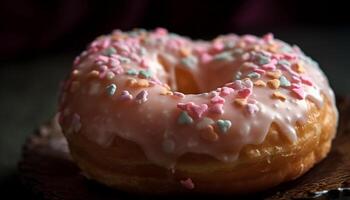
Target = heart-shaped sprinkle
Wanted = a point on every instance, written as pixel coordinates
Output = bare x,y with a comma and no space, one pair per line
253,75
244,93
306,80
145,74
141,97
188,184
224,125
217,99
198,110
125,95
279,95
226,91
260,83
252,108
111,89
216,109
132,72
274,83
209,134
284,82
299,93
184,118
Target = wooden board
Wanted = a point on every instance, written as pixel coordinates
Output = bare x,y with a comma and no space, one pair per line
47,169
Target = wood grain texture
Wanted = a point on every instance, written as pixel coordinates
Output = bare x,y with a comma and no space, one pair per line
47,169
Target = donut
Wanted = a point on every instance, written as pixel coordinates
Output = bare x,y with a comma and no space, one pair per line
153,112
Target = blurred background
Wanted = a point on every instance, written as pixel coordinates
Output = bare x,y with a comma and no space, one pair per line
39,40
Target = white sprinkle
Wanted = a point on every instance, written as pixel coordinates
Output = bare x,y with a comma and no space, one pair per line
111,89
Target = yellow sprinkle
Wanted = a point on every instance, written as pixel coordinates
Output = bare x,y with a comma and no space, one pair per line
74,86
275,74
240,102
274,83
278,95
260,83
94,74
131,82
272,48
298,67
167,86
184,52
75,73
209,134
142,83
166,92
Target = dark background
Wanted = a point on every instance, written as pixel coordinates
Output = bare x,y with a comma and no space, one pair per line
39,39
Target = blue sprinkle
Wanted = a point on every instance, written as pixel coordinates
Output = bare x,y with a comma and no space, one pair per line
184,118
262,59
124,59
284,63
132,72
109,51
224,125
284,82
253,75
223,56
189,61
111,89
145,74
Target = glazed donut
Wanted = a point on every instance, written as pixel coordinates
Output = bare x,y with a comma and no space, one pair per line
155,112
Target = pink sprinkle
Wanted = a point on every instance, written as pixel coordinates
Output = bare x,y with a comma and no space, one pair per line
185,106
249,38
198,110
296,85
250,66
289,56
217,99
244,93
217,109
268,38
102,58
252,108
237,85
299,92
76,61
161,31
144,63
260,71
205,58
245,56
295,79
218,46
226,91
269,67
125,95
306,80
179,94
106,43
188,184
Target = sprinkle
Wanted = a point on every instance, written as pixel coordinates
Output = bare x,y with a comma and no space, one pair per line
240,102
198,110
188,184
279,95
184,52
252,108
111,89
141,97
179,94
296,79
274,74
206,58
244,93
306,80
132,72
184,118
245,56
109,51
166,91
204,123
131,82
75,73
216,109
274,83
125,95
143,83
218,46
260,83
145,74
94,74
168,145
268,38
284,82
285,63
298,67
237,76
124,59
74,86
209,134
189,61
224,125
269,66
253,75
224,56
226,91
262,59
299,93
217,99
110,75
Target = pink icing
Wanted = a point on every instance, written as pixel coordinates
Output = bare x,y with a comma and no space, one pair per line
140,110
